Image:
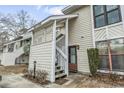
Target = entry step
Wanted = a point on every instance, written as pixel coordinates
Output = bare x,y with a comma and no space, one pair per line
60,75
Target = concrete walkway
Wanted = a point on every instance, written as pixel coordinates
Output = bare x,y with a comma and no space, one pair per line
16,81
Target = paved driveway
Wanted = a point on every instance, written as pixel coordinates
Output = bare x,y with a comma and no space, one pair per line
16,81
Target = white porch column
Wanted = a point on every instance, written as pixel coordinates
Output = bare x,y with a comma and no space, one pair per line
53,53
66,45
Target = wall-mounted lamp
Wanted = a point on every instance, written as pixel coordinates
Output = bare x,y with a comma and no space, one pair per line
78,47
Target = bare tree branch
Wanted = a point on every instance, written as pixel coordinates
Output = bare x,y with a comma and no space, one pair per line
14,25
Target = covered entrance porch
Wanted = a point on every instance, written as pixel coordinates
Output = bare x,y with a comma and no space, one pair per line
62,54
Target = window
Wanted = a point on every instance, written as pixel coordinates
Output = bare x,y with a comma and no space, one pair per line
99,16
103,55
72,55
111,7
100,21
11,47
117,54
98,10
104,62
106,15
113,17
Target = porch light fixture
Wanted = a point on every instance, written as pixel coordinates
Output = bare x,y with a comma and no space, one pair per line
78,47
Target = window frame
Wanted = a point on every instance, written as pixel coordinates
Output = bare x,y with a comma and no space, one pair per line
110,11
11,47
105,13
98,16
71,54
112,54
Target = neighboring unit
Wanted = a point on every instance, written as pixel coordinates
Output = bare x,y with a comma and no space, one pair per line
16,51
60,42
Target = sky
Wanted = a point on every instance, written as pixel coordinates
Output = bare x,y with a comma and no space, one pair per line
38,12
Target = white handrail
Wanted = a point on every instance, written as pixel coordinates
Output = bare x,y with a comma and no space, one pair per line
60,51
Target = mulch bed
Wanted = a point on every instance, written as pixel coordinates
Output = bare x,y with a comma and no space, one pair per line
99,81
109,79
36,80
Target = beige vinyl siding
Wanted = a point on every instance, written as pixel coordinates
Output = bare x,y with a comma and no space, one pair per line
42,54
109,32
42,35
100,34
48,35
78,28
41,50
116,31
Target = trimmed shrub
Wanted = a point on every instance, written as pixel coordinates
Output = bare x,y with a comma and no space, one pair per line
41,75
26,49
93,56
31,73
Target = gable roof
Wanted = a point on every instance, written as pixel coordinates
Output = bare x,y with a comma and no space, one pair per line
50,19
71,8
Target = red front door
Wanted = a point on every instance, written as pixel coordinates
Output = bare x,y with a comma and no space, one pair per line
72,59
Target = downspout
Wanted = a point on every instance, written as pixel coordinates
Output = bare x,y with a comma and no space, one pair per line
92,26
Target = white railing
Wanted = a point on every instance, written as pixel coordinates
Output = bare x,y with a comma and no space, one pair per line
61,57
18,52
60,60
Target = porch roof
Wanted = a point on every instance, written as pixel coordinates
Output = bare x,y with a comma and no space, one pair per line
71,8
50,19
21,37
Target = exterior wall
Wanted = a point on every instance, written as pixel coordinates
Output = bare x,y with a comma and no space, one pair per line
24,59
42,35
110,31
9,58
41,50
1,58
80,33
42,54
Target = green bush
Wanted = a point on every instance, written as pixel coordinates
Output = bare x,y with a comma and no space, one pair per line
93,56
26,49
